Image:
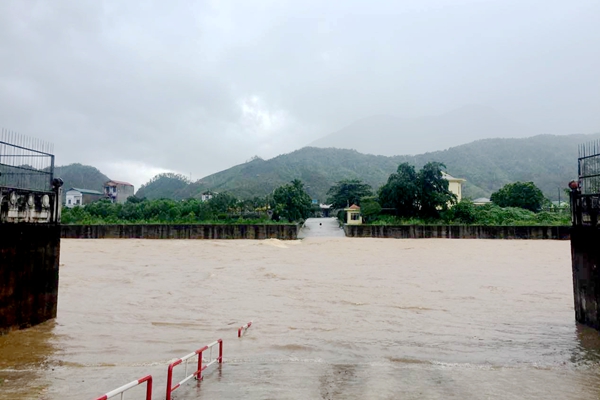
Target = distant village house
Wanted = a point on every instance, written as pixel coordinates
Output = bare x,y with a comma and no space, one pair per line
80,197
207,195
117,191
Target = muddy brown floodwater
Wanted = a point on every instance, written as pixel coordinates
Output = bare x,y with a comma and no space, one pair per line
334,318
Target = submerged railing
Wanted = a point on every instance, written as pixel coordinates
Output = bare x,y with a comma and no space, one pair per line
201,367
121,390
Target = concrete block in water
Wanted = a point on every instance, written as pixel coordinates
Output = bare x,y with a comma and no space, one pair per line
29,260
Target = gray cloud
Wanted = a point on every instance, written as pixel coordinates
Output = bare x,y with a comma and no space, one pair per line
197,86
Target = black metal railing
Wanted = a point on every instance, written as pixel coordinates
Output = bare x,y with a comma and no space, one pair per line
589,168
25,162
585,193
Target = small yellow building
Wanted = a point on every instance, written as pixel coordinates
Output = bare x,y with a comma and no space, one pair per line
454,185
353,216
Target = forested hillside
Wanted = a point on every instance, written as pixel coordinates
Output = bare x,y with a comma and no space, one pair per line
80,176
165,186
549,161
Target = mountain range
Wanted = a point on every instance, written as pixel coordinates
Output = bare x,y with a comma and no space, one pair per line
389,135
547,160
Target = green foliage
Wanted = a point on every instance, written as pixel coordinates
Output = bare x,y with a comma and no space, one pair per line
164,186
492,214
401,191
420,194
292,202
223,203
164,211
369,208
433,193
519,194
135,199
347,192
463,212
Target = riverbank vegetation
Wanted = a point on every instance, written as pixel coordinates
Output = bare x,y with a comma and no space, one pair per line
288,203
412,197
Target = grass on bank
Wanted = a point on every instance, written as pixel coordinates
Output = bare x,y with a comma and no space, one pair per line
488,215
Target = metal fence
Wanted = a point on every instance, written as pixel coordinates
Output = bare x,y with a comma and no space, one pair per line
585,193
25,162
589,168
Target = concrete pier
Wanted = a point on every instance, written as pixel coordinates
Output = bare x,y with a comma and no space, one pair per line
29,260
585,253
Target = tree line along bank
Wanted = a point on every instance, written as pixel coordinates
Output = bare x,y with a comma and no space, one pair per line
408,197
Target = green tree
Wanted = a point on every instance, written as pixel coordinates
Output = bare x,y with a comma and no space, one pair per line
165,185
291,201
369,208
135,199
401,191
223,203
433,193
519,194
348,192
464,212
417,194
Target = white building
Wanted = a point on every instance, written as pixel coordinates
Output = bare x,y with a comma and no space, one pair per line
207,195
79,197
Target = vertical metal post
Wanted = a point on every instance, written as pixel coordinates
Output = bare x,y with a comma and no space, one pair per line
51,171
149,388
220,351
169,381
200,365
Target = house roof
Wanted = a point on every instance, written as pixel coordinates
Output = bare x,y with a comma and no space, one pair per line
482,200
117,183
353,207
451,178
87,191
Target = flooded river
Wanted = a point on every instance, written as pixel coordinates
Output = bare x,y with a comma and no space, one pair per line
334,318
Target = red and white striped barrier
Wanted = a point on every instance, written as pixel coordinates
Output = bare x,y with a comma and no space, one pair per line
198,373
242,330
124,388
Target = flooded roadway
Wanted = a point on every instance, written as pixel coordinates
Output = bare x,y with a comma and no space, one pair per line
334,318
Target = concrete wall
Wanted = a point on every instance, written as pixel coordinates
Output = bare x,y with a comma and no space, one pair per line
585,253
458,231
29,259
283,232
124,192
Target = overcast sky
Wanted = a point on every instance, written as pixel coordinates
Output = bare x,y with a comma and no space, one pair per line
139,87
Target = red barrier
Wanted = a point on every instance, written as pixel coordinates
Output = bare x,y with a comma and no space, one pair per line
198,373
124,388
244,328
